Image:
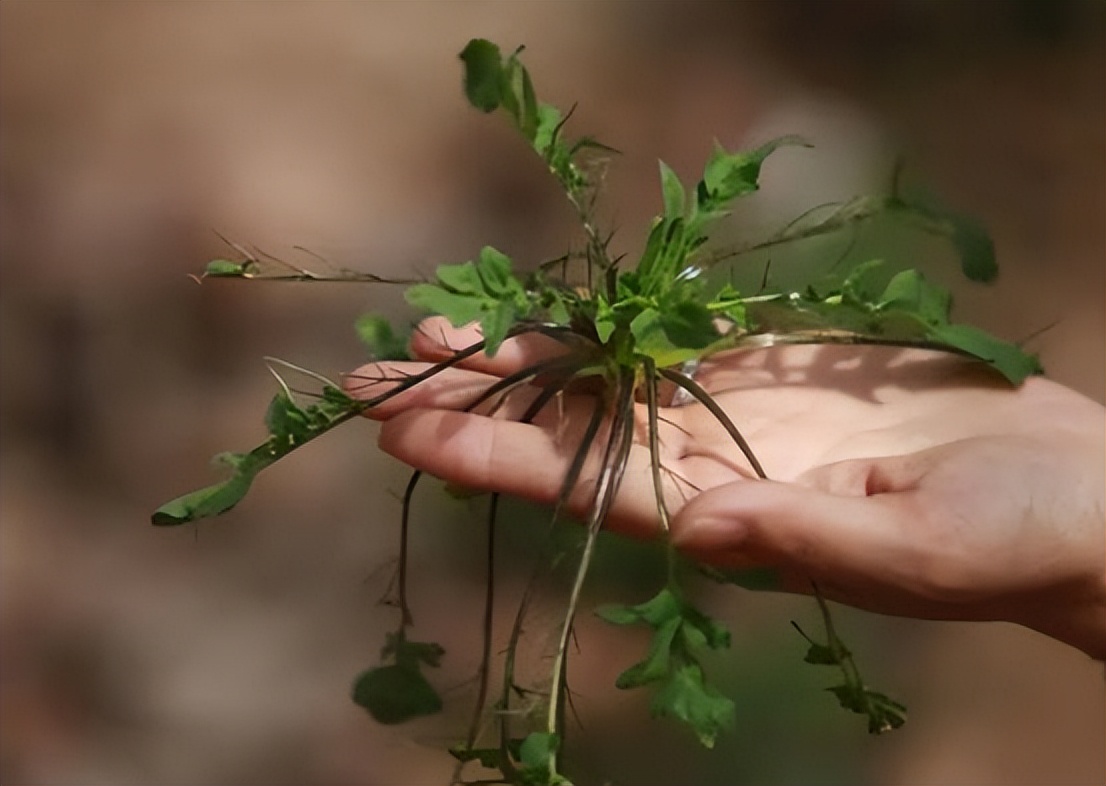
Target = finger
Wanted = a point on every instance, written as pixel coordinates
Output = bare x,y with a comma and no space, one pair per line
435,340
522,459
854,546
451,388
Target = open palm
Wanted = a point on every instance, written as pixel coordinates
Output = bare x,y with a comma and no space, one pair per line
909,482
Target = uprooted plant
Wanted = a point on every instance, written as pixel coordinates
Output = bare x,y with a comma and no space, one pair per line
625,331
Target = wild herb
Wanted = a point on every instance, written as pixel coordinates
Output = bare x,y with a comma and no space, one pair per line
628,329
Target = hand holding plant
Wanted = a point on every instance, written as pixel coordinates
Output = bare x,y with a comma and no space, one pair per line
845,433
906,482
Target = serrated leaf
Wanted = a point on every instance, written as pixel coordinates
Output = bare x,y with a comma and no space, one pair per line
483,74
396,693
1007,359
685,697
730,175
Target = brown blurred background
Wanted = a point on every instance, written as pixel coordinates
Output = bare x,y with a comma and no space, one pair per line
224,655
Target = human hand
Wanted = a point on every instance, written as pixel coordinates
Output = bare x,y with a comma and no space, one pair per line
903,481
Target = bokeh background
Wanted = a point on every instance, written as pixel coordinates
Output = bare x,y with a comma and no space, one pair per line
224,654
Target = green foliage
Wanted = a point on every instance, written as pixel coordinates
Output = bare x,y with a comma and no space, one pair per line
380,338
681,633
397,691
883,713
625,332
290,426
483,291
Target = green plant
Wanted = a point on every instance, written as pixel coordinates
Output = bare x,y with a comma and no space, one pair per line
627,330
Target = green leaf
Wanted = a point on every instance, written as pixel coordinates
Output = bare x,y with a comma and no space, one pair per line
289,427
884,714
494,269
730,175
654,612
1007,359
209,501
377,334
910,291
862,284
976,248
483,74
685,697
225,268
822,655
396,693
673,191
495,324
538,756
491,758
457,308
549,121
462,278
675,334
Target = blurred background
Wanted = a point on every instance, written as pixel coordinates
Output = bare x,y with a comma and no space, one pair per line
224,654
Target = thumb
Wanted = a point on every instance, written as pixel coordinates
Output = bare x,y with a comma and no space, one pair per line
844,533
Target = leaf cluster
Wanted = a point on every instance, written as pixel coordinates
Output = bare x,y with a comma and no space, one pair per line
672,665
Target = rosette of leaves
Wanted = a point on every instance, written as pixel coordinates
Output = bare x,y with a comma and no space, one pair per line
632,328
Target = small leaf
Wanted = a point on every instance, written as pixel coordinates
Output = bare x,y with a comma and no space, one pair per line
976,248
483,73
654,612
730,175
673,191
494,269
656,663
225,268
685,696
495,324
910,291
488,757
462,278
377,334
396,693
458,309
537,756
821,655
209,501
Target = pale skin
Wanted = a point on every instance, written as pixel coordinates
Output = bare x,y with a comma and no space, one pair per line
903,481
